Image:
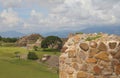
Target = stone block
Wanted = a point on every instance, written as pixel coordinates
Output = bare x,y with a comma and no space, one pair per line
112,45
93,44
93,52
71,53
84,67
82,55
117,69
75,66
81,74
63,74
103,55
97,69
91,60
84,46
117,55
102,47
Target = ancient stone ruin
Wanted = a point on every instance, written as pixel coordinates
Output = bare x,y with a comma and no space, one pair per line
90,56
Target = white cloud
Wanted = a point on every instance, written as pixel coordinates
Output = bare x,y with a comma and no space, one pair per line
85,11
61,13
9,18
79,13
10,3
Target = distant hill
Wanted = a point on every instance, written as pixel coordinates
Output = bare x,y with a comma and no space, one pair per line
104,29
64,33
11,34
95,29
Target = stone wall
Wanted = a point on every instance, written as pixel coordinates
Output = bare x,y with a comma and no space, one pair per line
97,58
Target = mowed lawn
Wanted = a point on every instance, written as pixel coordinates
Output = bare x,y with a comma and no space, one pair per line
11,67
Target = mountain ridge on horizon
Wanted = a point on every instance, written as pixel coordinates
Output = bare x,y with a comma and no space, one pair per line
64,33
108,29
12,34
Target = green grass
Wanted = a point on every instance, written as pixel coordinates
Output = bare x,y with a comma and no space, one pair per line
24,69
9,51
7,44
92,38
14,68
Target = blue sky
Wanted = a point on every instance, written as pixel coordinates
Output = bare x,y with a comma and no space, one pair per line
29,16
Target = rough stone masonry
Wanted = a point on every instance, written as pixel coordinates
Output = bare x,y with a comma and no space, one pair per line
90,56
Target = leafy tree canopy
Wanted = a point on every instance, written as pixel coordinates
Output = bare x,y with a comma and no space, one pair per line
53,42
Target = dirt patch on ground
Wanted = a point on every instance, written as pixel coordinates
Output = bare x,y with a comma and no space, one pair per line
53,61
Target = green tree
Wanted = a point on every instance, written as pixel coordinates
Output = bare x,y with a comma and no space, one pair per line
9,39
32,56
53,42
0,38
35,48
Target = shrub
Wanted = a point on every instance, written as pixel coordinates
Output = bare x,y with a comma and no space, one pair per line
53,42
79,32
32,56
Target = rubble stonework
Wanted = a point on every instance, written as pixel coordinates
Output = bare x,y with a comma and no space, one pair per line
94,57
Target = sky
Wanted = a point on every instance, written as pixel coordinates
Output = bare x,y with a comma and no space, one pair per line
54,15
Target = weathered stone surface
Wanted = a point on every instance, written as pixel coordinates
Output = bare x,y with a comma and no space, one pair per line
91,60
93,44
74,59
119,44
102,47
112,53
64,49
104,64
99,58
70,70
102,55
107,71
117,69
71,54
115,62
62,60
112,76
117,55
63,74
70,44
81,74
112,45
84,46
82,55
67,61
97,69
93,52
91,76
75,66
77,38
70,76
84,67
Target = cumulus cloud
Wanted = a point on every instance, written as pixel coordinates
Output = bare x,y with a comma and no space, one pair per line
10,3
85,12
61,14
9,18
